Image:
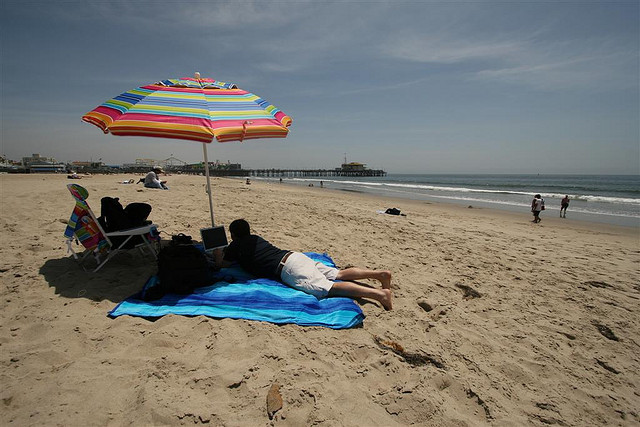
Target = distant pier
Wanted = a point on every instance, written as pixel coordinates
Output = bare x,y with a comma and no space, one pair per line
303,173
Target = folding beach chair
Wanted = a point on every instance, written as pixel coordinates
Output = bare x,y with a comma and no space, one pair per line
85,229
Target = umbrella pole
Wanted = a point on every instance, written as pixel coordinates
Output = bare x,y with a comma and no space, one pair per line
206,171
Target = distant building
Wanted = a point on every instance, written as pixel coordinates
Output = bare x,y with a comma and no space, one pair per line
141,163
36,159
36,163
214,166
229,166
353,167
78,164
7,165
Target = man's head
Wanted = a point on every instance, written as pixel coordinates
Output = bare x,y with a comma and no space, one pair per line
157,169
239,228
538,196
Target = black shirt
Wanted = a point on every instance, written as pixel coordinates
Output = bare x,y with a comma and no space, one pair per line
255,255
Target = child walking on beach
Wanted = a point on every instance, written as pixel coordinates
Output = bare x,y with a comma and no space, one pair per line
537,205
564,204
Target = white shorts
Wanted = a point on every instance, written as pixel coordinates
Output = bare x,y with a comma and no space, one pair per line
302,273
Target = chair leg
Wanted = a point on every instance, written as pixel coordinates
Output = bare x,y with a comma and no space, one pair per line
112,253
146,242
153,250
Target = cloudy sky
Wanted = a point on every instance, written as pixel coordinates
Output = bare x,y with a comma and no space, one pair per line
410,87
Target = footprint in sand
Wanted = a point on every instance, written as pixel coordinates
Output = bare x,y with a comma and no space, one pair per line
434,310
468,292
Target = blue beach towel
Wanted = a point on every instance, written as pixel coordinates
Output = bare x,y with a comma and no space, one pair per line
241,296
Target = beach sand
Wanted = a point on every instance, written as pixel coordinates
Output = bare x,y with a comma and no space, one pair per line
502,322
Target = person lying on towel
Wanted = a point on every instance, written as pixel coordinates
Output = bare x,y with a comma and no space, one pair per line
294,269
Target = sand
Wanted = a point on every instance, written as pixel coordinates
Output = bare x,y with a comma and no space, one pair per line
496,321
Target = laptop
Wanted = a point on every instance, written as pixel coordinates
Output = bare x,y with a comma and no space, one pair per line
214,238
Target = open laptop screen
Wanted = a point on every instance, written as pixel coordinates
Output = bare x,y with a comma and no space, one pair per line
214,238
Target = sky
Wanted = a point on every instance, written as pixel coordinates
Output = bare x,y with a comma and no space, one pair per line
405,86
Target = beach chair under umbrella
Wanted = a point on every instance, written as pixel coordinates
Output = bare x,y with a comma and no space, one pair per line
193,109
85,229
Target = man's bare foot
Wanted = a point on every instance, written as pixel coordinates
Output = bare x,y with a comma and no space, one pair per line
385,300
385,279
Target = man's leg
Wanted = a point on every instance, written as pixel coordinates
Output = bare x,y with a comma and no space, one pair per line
353,290
356,273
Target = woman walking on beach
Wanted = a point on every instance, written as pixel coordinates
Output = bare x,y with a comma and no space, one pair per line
537,205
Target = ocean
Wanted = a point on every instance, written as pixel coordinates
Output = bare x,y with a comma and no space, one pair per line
612,199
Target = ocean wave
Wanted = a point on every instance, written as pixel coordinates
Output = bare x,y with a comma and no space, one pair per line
424,187
427,189
527,206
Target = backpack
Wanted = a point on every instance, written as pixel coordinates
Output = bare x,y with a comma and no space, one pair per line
181,269
115,218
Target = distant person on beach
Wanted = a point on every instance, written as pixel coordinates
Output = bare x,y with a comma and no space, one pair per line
297,270
564,204
152,180
537,205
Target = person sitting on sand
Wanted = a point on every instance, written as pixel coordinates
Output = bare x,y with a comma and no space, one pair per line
297,270
153,181
564,204
537,205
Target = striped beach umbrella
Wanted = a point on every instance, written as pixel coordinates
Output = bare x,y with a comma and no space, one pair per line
194,109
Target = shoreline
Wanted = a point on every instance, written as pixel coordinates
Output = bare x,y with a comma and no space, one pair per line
390,189
460,208
501,321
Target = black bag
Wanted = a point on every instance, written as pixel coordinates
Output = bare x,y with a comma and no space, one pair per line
181,239
181,269
115,218
137,214
392,211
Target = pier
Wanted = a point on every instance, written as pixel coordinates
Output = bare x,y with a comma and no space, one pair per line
303,173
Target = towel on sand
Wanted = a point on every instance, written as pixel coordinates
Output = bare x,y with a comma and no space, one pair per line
238,295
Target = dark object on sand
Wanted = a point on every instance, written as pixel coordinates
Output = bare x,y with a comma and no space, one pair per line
181,239
181,268
115,217
597,284
606,332
468,292
274,400
413,359
606,366
394,211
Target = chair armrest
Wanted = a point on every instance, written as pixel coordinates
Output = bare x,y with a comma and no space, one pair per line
132,231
